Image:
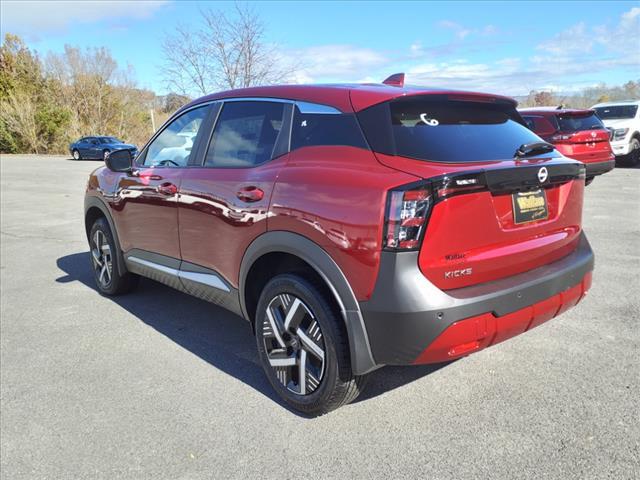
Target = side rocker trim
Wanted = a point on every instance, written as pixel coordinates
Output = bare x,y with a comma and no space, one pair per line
288,242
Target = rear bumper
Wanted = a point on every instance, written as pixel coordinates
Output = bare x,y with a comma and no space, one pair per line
409,320
598,168
621,147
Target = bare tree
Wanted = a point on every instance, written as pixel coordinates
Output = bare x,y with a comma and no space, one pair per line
87,78
187,67
224,52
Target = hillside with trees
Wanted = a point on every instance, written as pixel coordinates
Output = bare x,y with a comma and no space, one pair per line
45,103
48,102
584,99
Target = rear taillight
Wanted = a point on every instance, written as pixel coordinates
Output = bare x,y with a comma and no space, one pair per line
563,137
408,211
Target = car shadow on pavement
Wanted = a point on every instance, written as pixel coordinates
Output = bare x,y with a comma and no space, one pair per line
217,336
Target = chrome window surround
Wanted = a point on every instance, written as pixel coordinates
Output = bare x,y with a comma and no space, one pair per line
303,107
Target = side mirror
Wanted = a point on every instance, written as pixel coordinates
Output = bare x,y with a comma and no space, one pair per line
119,161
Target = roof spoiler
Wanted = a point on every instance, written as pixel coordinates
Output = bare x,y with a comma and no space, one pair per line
395,80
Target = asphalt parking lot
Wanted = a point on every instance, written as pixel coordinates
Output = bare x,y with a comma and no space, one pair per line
161,385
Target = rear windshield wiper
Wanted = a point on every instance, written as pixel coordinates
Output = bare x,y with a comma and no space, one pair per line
535,148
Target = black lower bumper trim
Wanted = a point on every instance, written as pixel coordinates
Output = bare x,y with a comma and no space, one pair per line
599,168
406,312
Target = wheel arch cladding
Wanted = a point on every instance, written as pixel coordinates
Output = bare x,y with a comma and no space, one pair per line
94,209
288,243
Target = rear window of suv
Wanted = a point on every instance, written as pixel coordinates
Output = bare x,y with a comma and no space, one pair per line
445,130
617,111
578,123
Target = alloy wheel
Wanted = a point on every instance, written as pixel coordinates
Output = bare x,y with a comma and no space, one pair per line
102,259
76,155
294,344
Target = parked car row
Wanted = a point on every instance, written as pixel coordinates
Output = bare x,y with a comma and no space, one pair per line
354,226
577,134
598,137
623,120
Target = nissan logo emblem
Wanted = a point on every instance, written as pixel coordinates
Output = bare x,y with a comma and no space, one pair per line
543,174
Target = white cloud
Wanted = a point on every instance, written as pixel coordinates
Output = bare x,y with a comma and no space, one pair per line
576,39
460,31
489,30
580,56
334,63
34,19
631,14
623,37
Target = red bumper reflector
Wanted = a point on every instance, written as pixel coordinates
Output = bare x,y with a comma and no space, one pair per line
479,332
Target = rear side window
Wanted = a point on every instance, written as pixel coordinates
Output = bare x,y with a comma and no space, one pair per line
445,130
314,129
577,123
245,134
541,125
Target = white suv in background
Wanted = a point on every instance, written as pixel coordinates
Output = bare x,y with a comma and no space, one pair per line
623,119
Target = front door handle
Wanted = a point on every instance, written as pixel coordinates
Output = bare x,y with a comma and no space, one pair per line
250,194
167,188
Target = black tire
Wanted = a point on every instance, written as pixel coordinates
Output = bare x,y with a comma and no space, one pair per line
588,181
105,152
337,385
633,158
76,154
104,262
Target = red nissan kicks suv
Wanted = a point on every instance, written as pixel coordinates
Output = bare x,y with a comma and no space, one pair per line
354,226
576,133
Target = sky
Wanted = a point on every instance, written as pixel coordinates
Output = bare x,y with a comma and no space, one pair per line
509,48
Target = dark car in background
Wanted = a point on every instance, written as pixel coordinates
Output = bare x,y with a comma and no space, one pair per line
98,147
576,133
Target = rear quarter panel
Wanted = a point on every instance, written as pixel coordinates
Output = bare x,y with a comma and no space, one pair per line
336,197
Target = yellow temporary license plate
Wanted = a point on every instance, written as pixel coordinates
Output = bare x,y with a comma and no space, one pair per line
529,206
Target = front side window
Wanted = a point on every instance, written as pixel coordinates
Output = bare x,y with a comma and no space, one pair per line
174,146
245,134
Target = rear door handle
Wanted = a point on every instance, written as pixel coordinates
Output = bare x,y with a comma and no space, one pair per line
167,188
250,194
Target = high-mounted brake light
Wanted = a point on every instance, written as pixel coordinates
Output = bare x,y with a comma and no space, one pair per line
408,210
